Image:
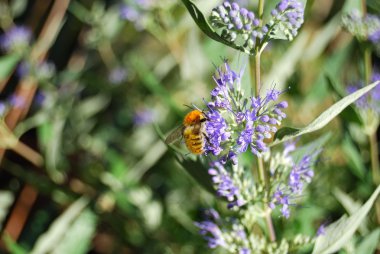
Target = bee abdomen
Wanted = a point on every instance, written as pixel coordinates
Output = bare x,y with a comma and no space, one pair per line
195,143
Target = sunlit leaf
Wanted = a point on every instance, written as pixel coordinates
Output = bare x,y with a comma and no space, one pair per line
51,238
323,119
77,238
339,233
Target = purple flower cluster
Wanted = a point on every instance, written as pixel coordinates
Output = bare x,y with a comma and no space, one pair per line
18,37
300,174
370,100
225,186
289,15
210,230
364,28
228,232
236,123
239,24
281,199
135,13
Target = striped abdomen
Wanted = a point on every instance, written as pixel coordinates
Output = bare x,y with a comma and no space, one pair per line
194,138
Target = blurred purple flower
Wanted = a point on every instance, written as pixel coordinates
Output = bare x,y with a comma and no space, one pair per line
17,101
144,117
370,100
210,230
281,199
127,12
117,75
3,107
16,37
321,230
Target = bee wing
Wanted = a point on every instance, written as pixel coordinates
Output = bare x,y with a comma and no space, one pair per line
174,135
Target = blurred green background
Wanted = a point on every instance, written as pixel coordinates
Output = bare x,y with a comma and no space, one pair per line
90,172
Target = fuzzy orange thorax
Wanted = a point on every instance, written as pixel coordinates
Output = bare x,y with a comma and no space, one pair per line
193,117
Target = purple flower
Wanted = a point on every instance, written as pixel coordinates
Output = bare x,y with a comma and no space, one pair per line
217,132
129,13
288,17
298,174
369,101
234,123
117,75
17,101
280,198
143,117
3,108
301,173
15,38
375,36
225,186
321,230
210,229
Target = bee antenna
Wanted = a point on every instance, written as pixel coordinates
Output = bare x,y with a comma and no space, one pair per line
190,107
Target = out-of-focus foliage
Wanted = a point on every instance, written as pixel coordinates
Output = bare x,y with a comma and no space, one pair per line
86,102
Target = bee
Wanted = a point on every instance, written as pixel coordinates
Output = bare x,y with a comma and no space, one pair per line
193,132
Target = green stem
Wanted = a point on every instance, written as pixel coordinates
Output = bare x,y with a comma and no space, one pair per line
367,65
374,158
261,11
260,163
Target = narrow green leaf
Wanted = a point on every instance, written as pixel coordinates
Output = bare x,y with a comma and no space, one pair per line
341,231
150,81
202,23
51,238
370,242
355,160
351,206
7,65
322,120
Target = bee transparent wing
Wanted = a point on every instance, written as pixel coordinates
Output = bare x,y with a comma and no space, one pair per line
174,135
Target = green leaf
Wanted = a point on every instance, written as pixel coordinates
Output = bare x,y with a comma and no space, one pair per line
202,23
7,65
285,131
18,7
48,241
351,206
355,160
340,232
349,113
77,238
313,148
12,246
370,242
322,120
197,170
